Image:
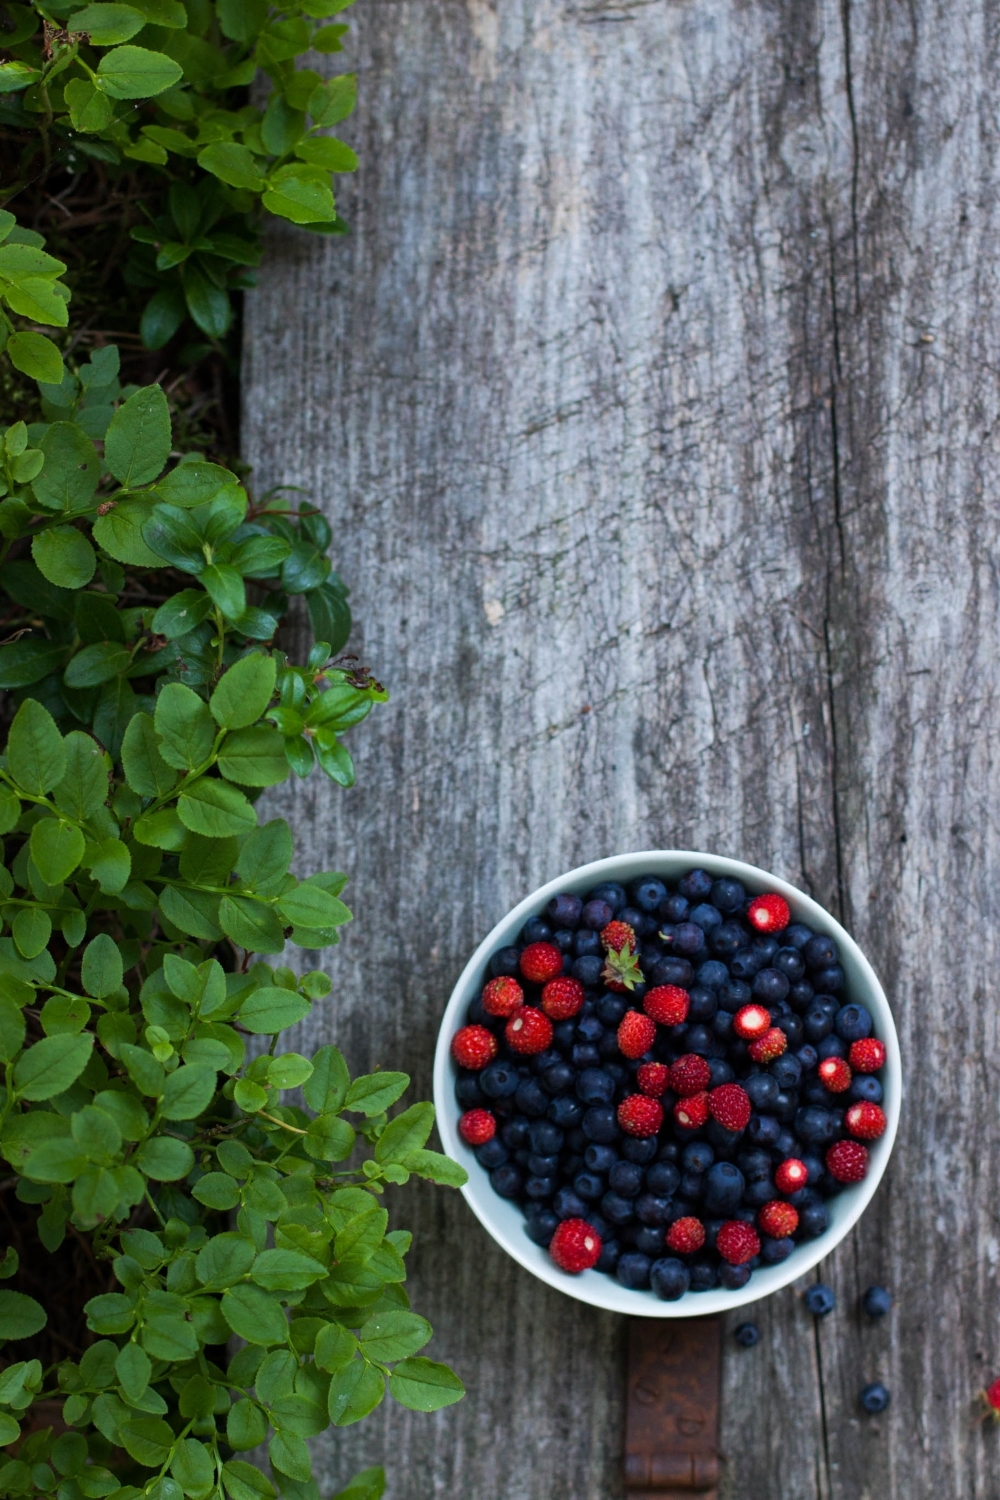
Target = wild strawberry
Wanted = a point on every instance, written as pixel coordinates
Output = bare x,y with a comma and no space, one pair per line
865,1121
636,1033
621,971
689,1075
668,1004
991,1398
737,1242
616,936
847,1161
686,1236
751,1022
541,962
528,1031
640,1115
653,1079
867,1056
575,1246
692,1113
473,1047
769,913
778,1220
729,1105
769,1046
791,1175
502,996
835,1074
477,1126
562,998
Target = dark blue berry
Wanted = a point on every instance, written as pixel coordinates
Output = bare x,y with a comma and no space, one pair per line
706,916
565,1111
790,962
557,1078
599,1225
725,1141
540,1187
468,1093
763,1130
747,1335
745,964
633,1271
673,971
722,1025
875,1398
662,1178
807,1056
589,1186
820,951
801,996
733,1277
493,1154
815,1125
703,1004
587,944
585,1055
773,1252
619,1210
876,1301
724,1186
564,1035
475,1015
792,1026
696,885
699,1039
649,1239
786,1144
507,1180
756,1194
542,1166
596,914
594,1086
689,939
831,1046
787,1070
692,1186
796,936
719,1072
640,1149
536,931
600,1158
734,994
568,1205
545,1137
506,961
704,1275
728,895
864,1086
601,1124
647,893
531,1099
829,981
817,1023
653,1209
673,908
669,1278
697,1157
712,975
564,910
541,1225
611,892
514,1133
762,1090
500,1080
611,1008
571,1163
589,1028
853,1023
617,1071
728,939
819,1299
625,1179
754,1164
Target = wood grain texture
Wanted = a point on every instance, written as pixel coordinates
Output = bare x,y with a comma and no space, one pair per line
667,524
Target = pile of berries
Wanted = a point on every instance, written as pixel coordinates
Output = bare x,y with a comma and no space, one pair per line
670,1082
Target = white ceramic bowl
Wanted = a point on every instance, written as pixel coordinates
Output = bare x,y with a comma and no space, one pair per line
504,1219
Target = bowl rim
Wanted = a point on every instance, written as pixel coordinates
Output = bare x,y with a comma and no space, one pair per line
503,1220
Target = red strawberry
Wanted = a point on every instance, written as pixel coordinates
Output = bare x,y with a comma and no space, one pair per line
737,1242
991,1396
562,998
621,972
575,1246
502,996
751,1022
477,1126
616,936
686,1236
847,1161
791,1175
834,1074
729,1105
692,1113
689,1075
636,1033
668,1004
528,1031
769,1046
473,1047
541,962
865,1121
867,1056
653,1079
640,1115
769,913
777,1219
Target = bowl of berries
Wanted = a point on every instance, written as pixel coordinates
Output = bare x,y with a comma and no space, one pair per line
674,1081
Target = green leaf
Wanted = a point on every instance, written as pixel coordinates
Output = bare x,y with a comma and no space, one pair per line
327,1088
20,1317
29,661
355,1391
182,613
424,1385
407,1132
162,316
368,1485
101,972
251,924
215,809
51,1065
15,76
9,1430
246,1426
148,1440
328,152
143,1069
388,1336
244,692
254,1315
56,1160
226,588
71,471
329,1138
10,809
254,757
308,905
270,1010
435,1167
189,1092
31,929
305,568
137,443
36,753
243,1482
97,663
36,356
193,1468
217,1190
120,534
57,849
161,830
108,23
164,1159
289,1455
286,1270
207,862
224,1260
335,100
266,854
90,109
38,298
12,1029
136,73
84,787
133,1368
330,616
191,911
208,304
144,766
289,1071
292,193
232,164
372,1093
185,730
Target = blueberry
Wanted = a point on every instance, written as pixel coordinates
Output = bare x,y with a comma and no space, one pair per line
564,910
734,994
669,1151
724,1186
763,1130
725,1141
589,1028
647,893
876,1301
600,1158
610,1251
696,885
633,1271
697,1157
786,1144
601,1124
585,1055
820,952
819,1299
617,1071
600,1226
829,981
673,971
506,961
792,1026
619,1210
692,1186
568,1206
796,936
704,1275
662,1178
611,1008
786,1070
541,1226
587,944
596,914
563,939
669,1278
762,1090
611,892
539,1187
875,1398
594,1086
545,1138
703,1004
733,1277
722,1025
756,1194
625,1179
790,963
500,1080
865,1087
493,1154
564,1035
728,939
589,1185
754,1163
640,1149
475,1015
650,1240
570,1164
807,1056
689,939
745,964
705,916
719,1072
557,1078
712,975
699,1039
507,1180
536,931
773,1252
817,1023
542,1166
654,1209
565,1111
531,1099
747,1335
468,1093
514,1133
815,1125
853,1023
801,995
673,908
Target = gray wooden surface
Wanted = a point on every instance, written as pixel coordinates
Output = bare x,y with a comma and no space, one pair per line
654,399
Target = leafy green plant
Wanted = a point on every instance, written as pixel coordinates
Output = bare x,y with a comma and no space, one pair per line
235,1189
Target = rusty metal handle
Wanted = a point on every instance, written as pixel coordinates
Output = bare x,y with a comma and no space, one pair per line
672,1410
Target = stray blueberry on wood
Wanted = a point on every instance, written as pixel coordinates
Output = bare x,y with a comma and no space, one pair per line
820,1299
875,1398
747,1335
876,1301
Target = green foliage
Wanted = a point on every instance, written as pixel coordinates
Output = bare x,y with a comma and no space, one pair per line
159,89
138,892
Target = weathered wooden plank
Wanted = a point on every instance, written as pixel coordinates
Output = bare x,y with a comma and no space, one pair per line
665,528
